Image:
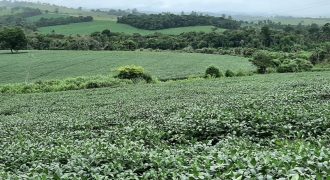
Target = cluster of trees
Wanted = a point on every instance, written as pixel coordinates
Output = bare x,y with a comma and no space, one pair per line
266,62
118,12
43,22
167,20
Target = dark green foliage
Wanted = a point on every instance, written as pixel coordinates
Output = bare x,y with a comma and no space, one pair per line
106,32
213,71
133,72
288,66
266,36
229,73
164,21
43,22
13,39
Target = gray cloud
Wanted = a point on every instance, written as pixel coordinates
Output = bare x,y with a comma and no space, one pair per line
270,7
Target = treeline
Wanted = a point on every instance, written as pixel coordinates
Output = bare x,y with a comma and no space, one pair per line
167,20
43,22
26,11
118,12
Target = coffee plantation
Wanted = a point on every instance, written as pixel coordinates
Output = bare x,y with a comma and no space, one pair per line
254,127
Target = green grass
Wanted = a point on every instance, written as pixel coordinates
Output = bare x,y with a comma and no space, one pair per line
99,25
260,127
43,65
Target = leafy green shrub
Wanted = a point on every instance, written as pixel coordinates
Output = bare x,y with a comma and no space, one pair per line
229,73
133,72
288,66
297,65
304,65
63,85
213,71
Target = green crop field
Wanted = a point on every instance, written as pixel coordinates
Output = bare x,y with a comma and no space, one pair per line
42,65
259,127
100,25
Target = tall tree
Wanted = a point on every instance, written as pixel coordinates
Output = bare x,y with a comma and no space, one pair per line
13,39
266,35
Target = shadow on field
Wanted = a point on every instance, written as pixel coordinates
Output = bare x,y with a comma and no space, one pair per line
3,53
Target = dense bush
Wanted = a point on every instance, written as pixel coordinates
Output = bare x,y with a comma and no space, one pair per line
63,85
262,60
213,71
304,65
296,65
229,73
288,66
133,72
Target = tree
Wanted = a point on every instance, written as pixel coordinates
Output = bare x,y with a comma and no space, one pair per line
262,61
326,30
266,35
106,32
13,39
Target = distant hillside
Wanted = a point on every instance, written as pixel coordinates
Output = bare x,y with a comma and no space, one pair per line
6,9
285,19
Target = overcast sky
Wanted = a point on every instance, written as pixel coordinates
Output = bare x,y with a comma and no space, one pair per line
271,7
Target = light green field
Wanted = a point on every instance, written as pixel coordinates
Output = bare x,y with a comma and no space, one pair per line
99,25
42,65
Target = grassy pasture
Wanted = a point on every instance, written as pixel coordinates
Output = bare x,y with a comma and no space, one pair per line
43,65
99,25
260,127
